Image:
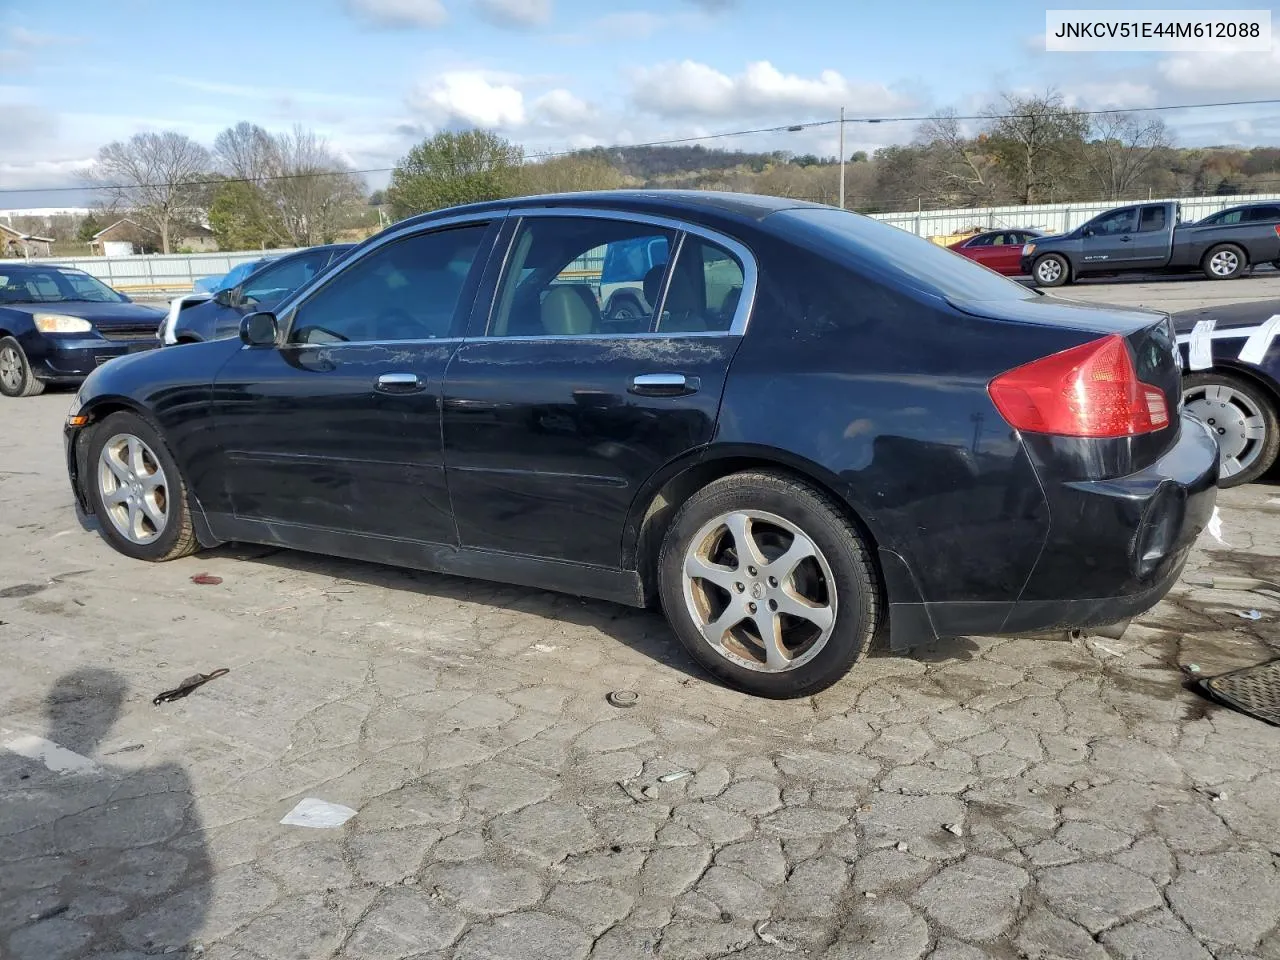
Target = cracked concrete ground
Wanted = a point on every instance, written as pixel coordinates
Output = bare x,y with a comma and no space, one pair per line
982,798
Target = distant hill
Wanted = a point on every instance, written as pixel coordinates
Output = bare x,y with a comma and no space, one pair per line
651,166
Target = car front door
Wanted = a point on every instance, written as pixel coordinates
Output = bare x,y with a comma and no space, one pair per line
337,427
552,424
1107,240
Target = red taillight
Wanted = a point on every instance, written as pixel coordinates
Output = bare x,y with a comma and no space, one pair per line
1088,391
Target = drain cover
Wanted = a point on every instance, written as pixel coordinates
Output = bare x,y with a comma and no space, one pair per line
1253,690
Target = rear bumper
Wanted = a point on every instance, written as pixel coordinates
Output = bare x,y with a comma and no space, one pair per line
1114,549
69,359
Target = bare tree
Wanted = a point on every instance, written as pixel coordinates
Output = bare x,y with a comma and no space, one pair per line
965,172
311,188
245,151
1035,139
1121,150
571,173
152,175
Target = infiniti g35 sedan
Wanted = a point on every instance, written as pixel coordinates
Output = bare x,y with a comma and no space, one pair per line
817,429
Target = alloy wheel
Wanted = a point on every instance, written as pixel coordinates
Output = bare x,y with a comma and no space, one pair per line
1049,270
1235,418
133,488
759,590
10,368
1224,263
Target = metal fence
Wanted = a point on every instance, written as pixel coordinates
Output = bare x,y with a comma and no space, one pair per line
1050,217
154,273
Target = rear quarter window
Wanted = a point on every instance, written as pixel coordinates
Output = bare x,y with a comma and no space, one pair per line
889,254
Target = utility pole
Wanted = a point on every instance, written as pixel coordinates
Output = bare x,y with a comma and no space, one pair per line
842,158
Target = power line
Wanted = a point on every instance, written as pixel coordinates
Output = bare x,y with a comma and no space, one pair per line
672,141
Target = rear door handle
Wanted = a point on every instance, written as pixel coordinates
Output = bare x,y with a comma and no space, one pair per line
663,385
399,383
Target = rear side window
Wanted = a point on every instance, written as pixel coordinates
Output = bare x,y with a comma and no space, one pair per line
1264,214
1226,218
1152,219
870,247
704,290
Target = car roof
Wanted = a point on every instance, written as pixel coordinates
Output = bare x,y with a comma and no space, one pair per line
690,204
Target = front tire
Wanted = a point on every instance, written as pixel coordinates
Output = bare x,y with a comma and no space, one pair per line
1226,261
1243,417
768,585
1051,270
137,491
16,378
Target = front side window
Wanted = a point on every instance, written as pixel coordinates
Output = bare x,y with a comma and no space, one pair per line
278,281
408,289
1115,222
551,285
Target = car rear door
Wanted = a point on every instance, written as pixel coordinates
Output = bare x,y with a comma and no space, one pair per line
337,428
1149,243
552,424
1005,253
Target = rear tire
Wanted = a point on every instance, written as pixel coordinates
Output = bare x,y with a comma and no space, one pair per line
16,378
1051,270
1226,261
137,491
806,580
1242,414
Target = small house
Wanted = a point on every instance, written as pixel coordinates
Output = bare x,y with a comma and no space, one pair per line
15,244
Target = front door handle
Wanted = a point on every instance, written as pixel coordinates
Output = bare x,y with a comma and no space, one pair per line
663,385
399,383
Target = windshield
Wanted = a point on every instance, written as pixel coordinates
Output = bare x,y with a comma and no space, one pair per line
865,244
53,285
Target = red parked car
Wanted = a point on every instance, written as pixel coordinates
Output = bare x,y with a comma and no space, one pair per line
1001,250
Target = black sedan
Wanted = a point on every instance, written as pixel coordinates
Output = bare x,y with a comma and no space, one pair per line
58,324
824,428
1232,357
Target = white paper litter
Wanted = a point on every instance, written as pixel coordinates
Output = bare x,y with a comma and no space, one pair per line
1249,614
1215,527
318,813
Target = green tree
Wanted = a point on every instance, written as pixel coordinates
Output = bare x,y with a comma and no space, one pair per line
89,226
452,168
240,217
1036,142
570,174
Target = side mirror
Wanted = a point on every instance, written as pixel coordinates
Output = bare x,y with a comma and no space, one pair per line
1087,232
259,330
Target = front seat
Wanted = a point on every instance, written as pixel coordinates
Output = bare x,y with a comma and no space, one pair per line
570,310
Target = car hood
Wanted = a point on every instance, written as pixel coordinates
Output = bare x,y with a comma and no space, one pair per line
1227,316
99,314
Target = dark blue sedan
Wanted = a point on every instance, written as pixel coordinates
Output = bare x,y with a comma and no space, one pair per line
58,324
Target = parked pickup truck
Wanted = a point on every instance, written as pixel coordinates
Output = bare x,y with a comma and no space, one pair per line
1148,236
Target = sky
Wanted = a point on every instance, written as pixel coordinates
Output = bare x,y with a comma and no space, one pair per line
376,76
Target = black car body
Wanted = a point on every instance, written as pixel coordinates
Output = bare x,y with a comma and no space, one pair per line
1231,355
219,316
453,398
57,325
1148,237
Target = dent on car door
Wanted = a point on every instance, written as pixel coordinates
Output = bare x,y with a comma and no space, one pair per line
552,425
337,427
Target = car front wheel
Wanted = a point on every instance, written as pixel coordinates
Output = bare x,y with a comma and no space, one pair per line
1051,271
768,585
16,378
1242,416
137,491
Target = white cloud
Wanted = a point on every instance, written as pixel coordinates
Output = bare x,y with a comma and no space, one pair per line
1111,95
515,14
561,108
693,89
1218,73
402,13
475,97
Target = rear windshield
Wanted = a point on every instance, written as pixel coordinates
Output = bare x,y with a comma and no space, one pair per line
870,246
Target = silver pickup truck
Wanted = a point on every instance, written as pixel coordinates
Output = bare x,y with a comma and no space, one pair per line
1149,237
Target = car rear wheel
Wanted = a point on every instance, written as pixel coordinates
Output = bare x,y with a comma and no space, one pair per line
768,585
137,491
1242,416
1051,270
16,378
1224,262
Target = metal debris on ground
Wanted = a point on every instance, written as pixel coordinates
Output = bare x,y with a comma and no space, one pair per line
623,698
1254,691
677,775
1249,614
320,814
206,579
954,829
762,931
187,685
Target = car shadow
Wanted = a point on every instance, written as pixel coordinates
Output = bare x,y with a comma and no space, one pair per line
97,854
